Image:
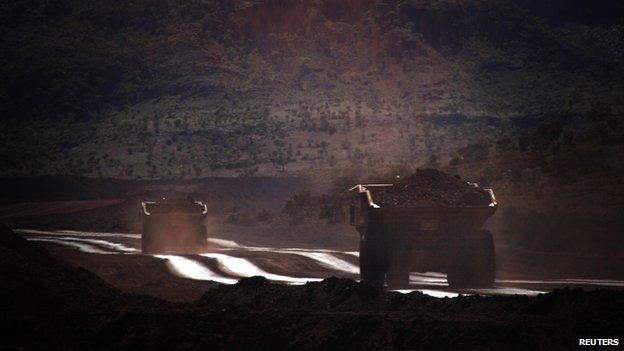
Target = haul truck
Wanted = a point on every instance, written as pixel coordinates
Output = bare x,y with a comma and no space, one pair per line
397,240
174,225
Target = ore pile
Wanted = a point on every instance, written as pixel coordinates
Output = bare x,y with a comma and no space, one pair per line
175,206
430,187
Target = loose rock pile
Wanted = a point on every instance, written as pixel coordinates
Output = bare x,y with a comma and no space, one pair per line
429,187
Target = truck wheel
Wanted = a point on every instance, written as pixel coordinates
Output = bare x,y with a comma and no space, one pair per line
397,279
488,259
201,240
145,244
372,266
398,271
146,238
202,237
472,261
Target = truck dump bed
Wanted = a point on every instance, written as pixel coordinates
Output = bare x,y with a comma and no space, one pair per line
473,216
398,239
175,225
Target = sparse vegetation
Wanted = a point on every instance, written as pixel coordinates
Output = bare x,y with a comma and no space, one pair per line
205,104
235,217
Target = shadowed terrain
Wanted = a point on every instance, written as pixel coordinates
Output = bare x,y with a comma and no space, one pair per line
333,313
269,111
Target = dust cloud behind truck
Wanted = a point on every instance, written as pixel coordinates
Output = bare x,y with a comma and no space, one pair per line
429,222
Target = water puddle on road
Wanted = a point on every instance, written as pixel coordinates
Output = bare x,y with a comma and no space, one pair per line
505,291
430,283
120,248
325,257
244,268
565,282
328,260
79,233
428,278
81,247
187,268
112,247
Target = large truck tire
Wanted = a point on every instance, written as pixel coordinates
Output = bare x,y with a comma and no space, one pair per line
202,236
397,276
488,259
397,279
372,264
146,237
472,261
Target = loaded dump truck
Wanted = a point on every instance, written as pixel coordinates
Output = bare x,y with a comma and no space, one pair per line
428,222
173,225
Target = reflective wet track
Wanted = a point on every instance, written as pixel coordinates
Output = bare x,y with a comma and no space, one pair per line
227,261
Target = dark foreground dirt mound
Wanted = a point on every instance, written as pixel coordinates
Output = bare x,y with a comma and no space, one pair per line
431,187
46,303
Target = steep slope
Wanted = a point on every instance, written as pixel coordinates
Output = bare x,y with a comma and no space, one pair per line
163,89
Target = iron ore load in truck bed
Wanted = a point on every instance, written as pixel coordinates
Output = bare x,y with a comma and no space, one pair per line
427,222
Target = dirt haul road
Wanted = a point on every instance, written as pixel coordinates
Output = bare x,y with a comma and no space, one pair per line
117,258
